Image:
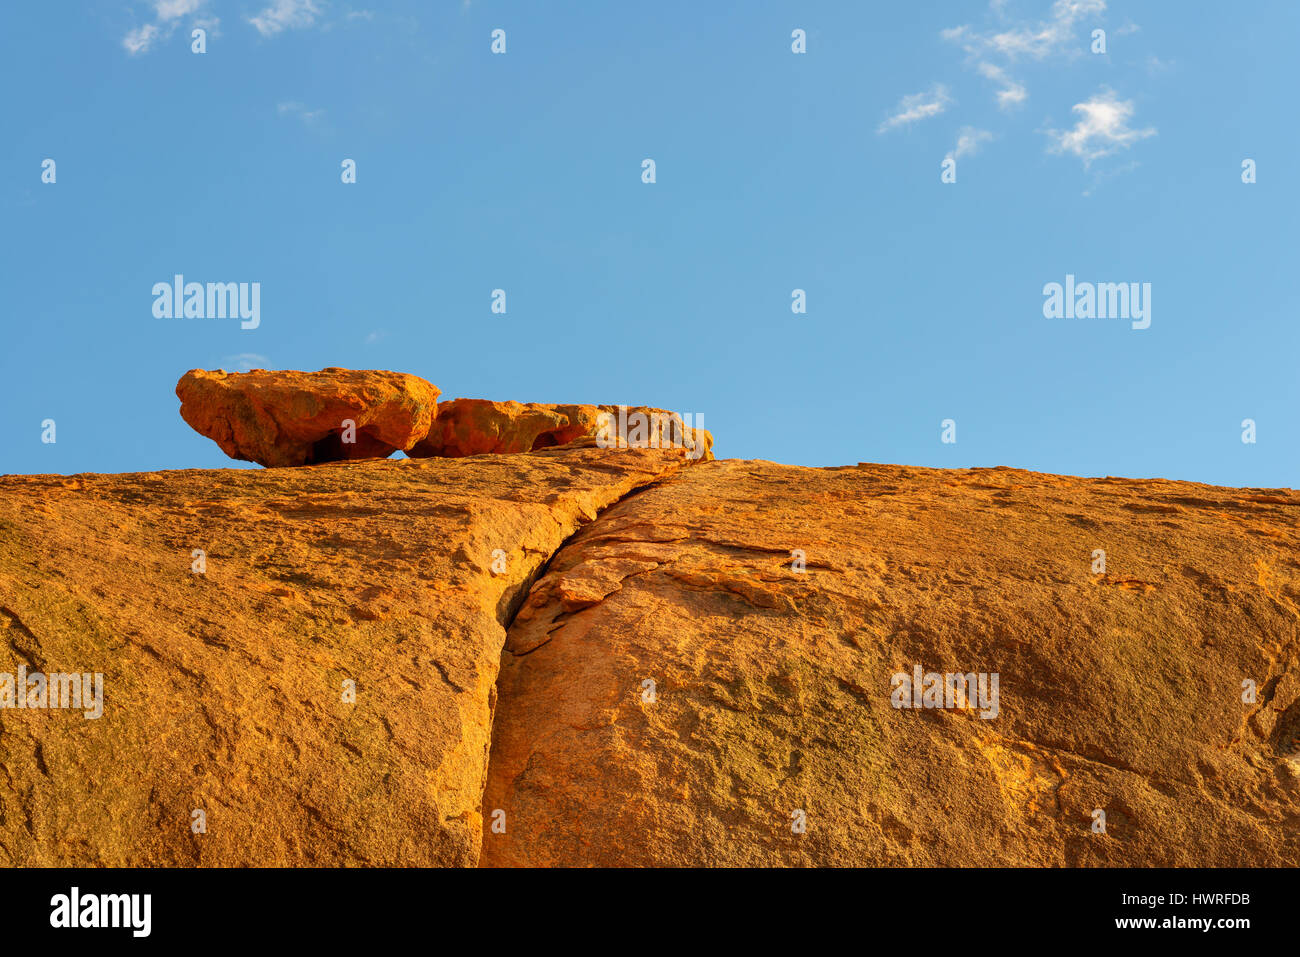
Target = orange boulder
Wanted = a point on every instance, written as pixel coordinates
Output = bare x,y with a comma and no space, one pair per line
297,418
479,426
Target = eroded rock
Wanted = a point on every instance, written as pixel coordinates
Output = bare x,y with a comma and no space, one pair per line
705,673
479,426
705,676
225,688
299,418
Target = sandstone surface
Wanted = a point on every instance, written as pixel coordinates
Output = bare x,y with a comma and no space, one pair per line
701,673
223,691
770,704
479,426
299,418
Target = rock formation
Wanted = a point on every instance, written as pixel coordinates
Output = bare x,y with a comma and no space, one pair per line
478,426
578,656
302,418
226,610
297,418
709,668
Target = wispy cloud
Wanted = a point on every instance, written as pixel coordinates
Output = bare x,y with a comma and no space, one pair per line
299,110
1013,41
917,106
1103,128
166,13
275,18
1005,45
247,361
284,15
1012,93
1101,176
175,9
140,39
1034,40
969,140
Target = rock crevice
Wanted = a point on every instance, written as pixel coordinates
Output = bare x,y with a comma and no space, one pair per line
769,608
321,690
639,658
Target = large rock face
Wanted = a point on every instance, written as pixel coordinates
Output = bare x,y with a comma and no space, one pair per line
224,691
297,418
702,673
479,426
676,692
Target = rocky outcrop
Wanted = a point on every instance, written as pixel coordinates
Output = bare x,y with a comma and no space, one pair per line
302,418
706,676
299,418
479,426
701,665
298,665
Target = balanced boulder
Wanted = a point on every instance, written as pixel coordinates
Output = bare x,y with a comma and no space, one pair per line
480,426
298,418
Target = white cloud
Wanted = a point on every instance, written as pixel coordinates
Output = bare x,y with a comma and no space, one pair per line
1103,128
1044,38
248,361
175,9
1012,41
1012,93
166,14
299,110
1100,177
278,16
969,141
140,39
917,106
285,15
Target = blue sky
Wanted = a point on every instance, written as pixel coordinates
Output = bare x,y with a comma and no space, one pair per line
775,171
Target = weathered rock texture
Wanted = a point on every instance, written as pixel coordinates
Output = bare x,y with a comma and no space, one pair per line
297,418
478,426
1119,691
224,690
